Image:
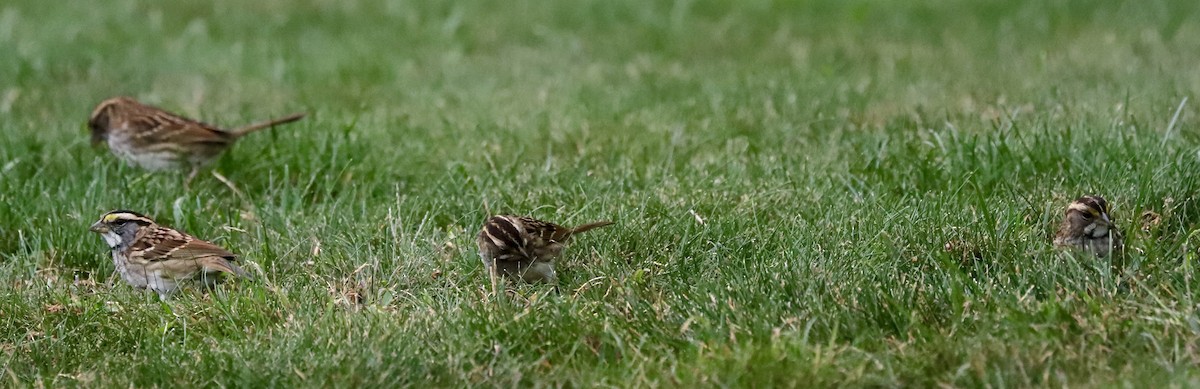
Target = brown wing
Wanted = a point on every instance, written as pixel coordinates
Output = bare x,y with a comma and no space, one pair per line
164,244
157,127
543,229
198,249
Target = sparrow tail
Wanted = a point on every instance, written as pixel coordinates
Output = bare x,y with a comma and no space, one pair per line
267,124
589,226
222,264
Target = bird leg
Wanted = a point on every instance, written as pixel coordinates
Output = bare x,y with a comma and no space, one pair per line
187,182
230,184
494,276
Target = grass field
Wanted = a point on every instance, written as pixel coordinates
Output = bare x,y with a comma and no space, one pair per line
808,193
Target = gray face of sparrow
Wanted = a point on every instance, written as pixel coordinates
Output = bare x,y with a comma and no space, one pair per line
118,228
1086,225
1091,213
99,122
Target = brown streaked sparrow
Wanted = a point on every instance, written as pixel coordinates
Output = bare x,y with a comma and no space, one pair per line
1087,226
154,139
150,256
524,248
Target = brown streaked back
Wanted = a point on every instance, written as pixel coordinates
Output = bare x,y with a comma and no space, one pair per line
503,232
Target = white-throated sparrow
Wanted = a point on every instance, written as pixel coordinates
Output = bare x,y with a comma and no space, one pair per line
524,248
150,256
154,139
1087,226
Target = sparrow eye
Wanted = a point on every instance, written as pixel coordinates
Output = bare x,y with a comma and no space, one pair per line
1088,216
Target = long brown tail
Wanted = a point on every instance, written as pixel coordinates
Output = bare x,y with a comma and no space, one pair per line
589,226
267,124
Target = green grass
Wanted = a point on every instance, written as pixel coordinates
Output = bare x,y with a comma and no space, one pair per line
785,177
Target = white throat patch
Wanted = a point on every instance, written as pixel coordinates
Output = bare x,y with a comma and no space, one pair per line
111,238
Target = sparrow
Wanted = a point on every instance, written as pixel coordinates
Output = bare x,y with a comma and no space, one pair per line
1087,226
162,259
154,139
524,248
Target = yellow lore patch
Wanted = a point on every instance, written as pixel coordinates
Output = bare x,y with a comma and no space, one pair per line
112,217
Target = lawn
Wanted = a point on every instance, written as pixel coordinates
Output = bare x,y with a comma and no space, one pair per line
807,193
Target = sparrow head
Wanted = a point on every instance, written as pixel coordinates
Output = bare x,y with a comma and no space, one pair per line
1087,217
102,116
120,227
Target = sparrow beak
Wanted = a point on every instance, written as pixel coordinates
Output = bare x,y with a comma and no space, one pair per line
98,227
98,135
1105,217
